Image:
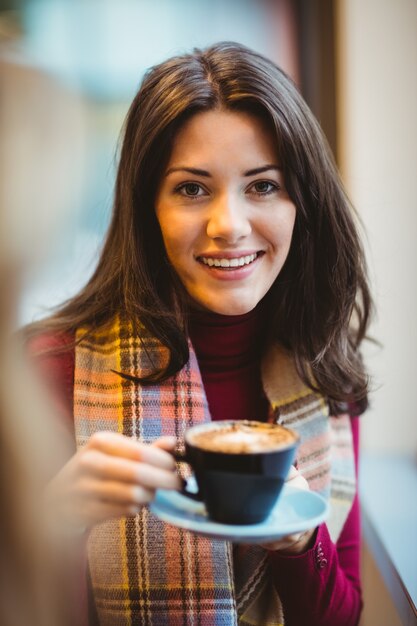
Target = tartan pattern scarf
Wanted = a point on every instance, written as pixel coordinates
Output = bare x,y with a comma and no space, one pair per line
144,571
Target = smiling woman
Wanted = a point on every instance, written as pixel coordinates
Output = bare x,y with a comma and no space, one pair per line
232,284
225,216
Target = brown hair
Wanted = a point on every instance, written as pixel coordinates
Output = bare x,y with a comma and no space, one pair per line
322,288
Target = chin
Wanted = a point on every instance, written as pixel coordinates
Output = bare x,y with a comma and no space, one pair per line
232,308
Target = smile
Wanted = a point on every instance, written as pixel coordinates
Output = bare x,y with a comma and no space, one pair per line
228,263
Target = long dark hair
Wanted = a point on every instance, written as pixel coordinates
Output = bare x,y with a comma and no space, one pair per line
319,304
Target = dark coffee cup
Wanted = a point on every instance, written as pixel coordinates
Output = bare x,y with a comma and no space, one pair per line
240,467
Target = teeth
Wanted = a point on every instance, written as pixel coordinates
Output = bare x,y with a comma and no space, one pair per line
236,262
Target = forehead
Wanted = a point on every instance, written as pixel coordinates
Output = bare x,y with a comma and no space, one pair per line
213,134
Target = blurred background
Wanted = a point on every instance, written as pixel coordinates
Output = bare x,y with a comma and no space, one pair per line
354,61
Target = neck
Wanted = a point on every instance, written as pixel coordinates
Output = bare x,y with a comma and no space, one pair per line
228,349
227,341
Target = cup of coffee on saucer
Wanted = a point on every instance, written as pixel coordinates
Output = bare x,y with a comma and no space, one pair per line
240,467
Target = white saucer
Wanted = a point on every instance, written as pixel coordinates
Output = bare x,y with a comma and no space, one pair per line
296,510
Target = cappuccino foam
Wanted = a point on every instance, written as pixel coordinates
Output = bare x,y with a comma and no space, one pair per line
243,438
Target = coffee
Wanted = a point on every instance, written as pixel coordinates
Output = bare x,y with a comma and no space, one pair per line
240,467
244,437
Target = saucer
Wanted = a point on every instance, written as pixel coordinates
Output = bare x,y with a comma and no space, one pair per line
297,510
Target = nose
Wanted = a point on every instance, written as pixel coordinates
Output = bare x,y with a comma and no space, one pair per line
228,219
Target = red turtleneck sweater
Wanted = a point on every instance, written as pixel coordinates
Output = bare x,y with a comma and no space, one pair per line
228,350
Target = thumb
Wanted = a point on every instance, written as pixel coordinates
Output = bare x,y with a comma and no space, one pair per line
295,479
167,443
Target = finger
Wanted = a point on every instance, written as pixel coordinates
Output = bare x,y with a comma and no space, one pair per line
140,474
295,479
114,444
299,482
92,504
107,467
119,445
115,493
290,540
159,456
101,465
166,443
155,478
293,472
285,543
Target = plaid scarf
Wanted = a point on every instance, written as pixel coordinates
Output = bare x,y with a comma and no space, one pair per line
144,571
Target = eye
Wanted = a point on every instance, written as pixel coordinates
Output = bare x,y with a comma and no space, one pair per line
190,190
263,187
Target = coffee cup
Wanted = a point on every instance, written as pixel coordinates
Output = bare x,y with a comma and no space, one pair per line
240,467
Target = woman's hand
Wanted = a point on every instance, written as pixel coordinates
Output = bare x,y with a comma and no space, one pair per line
298,542
111,476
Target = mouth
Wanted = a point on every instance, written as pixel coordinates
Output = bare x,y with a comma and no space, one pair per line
229,263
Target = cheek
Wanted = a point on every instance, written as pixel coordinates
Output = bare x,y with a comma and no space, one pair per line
175,240
279,233
285,228
166,226
287,236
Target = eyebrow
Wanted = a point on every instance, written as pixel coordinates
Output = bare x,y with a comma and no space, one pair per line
206,174
263,168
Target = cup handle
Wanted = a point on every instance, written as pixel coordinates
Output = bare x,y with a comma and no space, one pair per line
181,457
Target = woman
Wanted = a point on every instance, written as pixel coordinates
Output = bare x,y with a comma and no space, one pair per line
231,283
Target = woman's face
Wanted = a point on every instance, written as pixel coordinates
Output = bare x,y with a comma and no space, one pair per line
225,216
